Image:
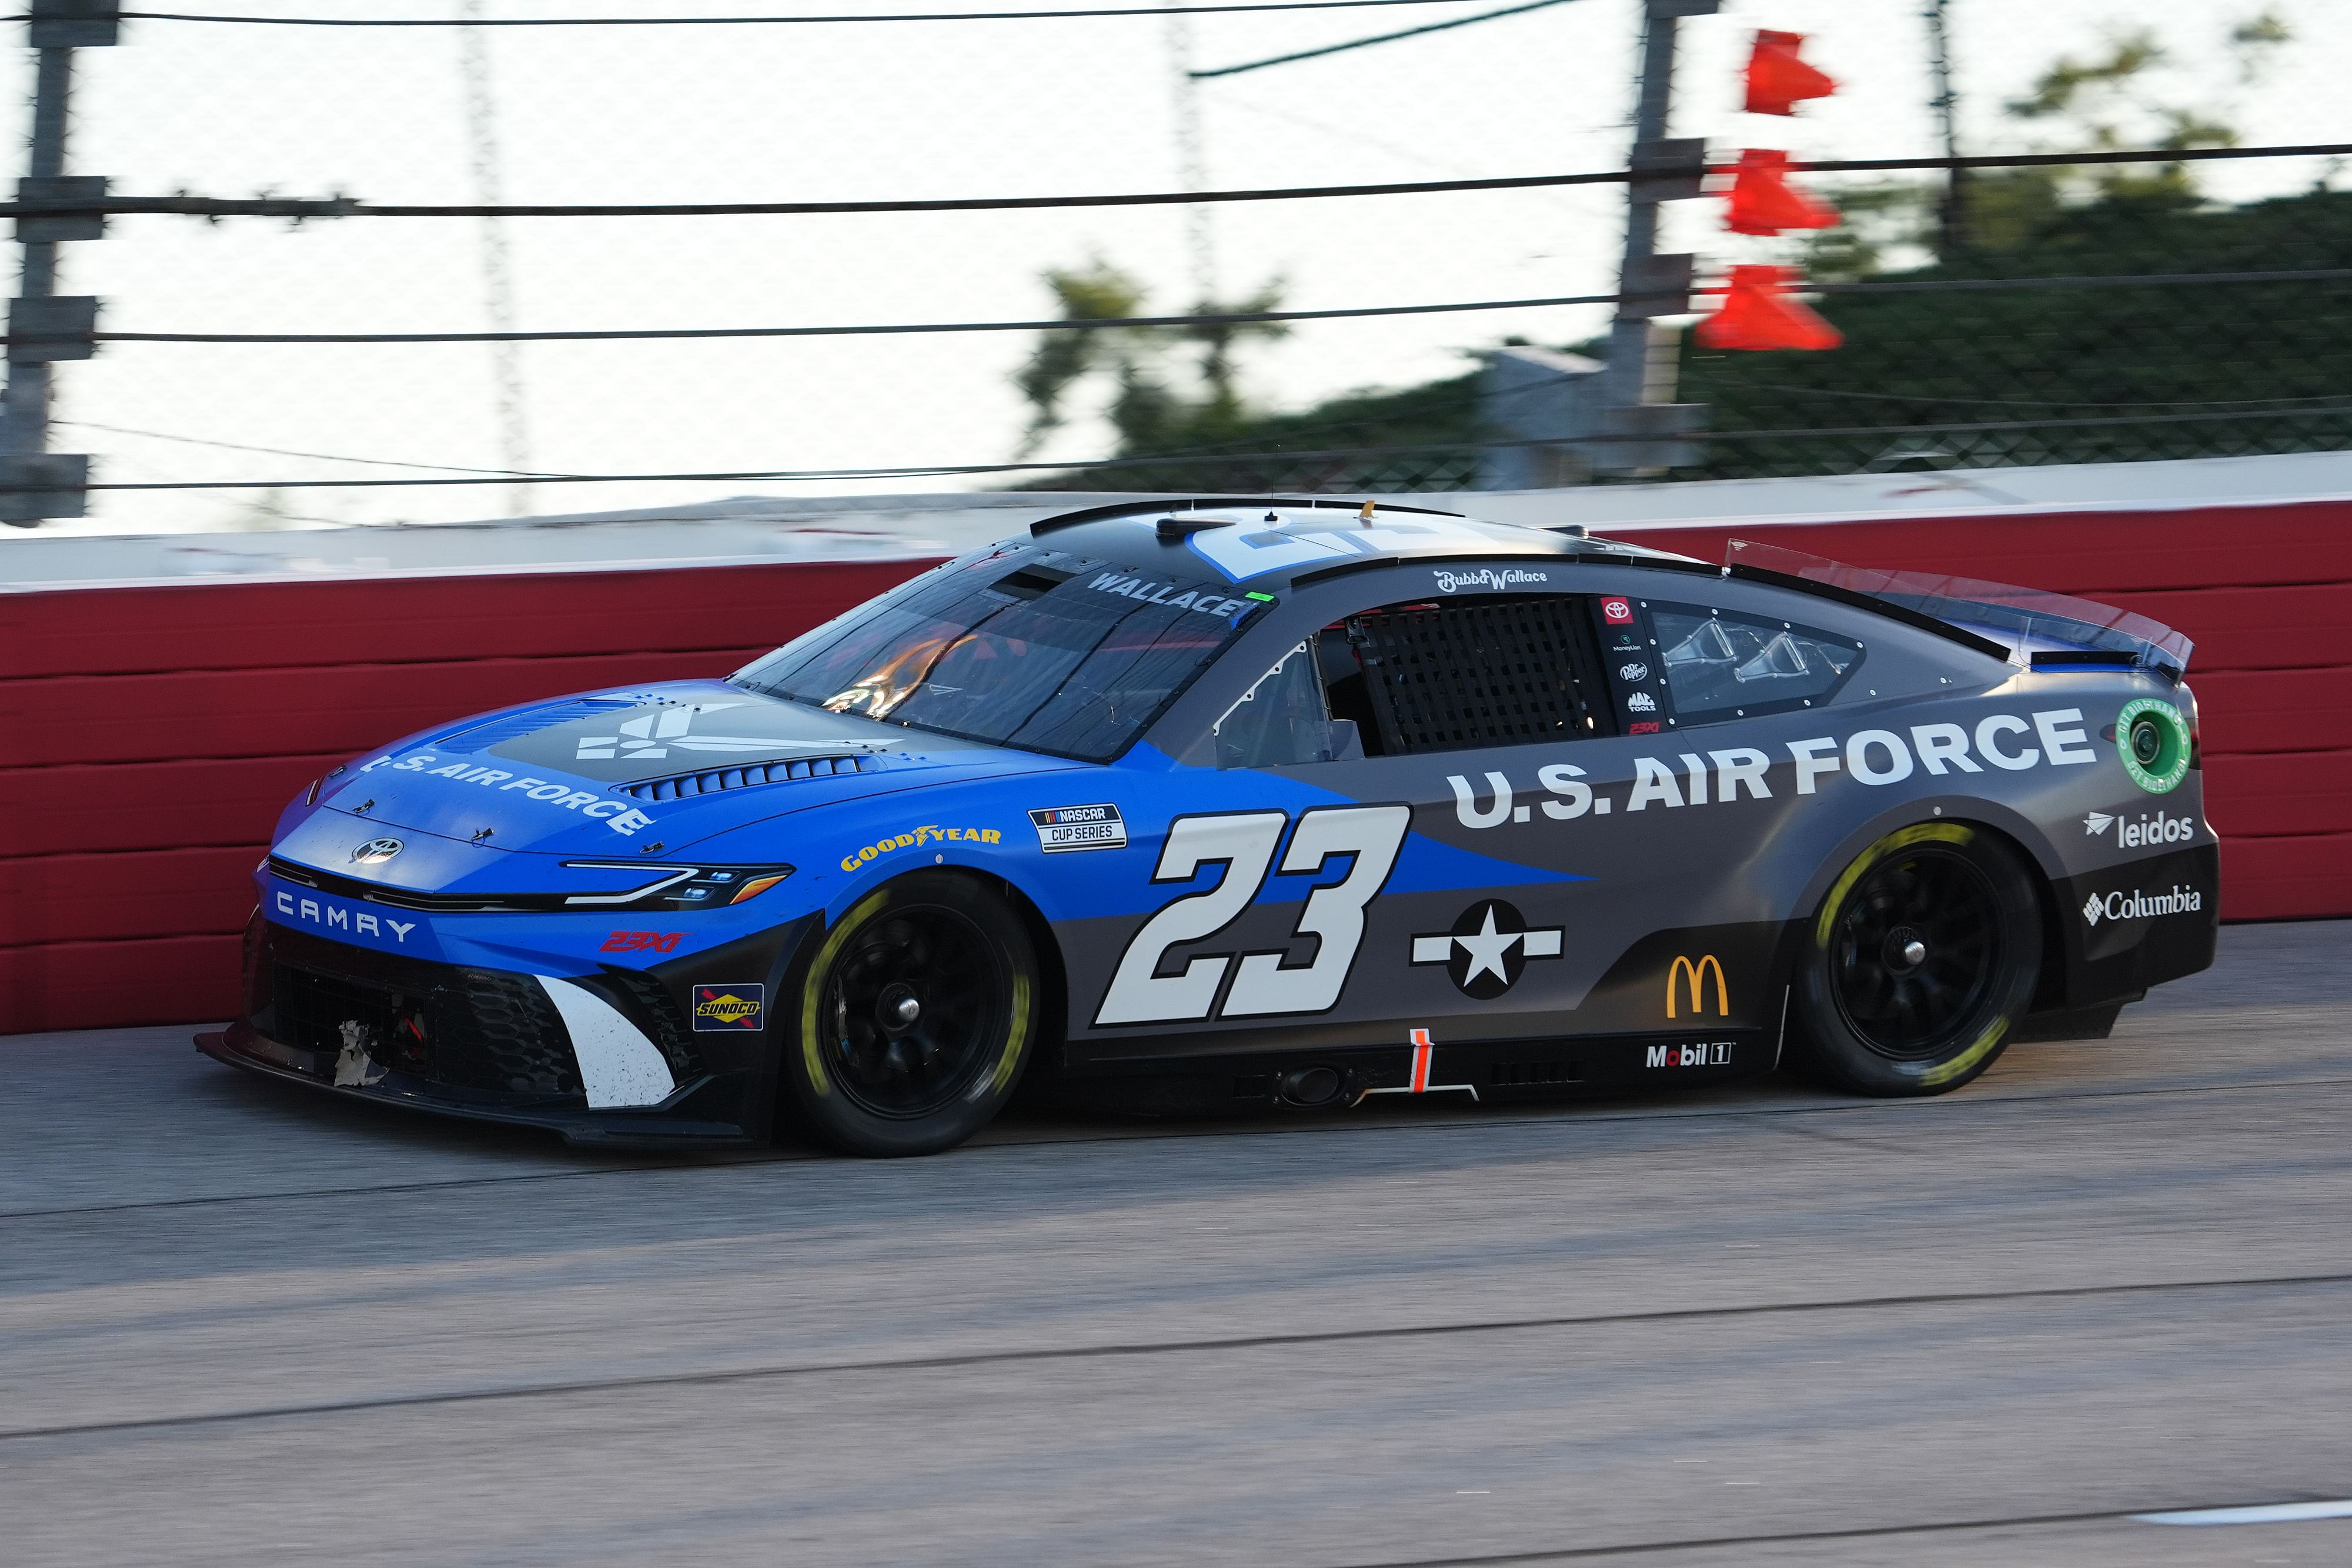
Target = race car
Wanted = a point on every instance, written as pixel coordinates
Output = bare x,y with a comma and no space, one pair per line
1226,804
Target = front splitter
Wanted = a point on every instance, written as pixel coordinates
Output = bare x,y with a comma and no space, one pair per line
662,1127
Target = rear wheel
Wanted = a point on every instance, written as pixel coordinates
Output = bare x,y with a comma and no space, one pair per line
1921,958
916,1017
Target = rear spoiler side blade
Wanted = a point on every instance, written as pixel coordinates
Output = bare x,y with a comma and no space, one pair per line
2039,629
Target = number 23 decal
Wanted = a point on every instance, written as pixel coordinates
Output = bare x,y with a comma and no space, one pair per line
1244,842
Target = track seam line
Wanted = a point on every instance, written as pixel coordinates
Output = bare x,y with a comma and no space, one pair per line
1169,1347
1464,1123
1719,1542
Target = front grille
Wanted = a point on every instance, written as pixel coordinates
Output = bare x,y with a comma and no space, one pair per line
655,1010
474,1028
717,778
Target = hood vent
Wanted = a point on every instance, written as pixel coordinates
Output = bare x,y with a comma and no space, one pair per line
709,783
530,721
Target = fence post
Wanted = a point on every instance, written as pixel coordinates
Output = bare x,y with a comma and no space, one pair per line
1642,422
43,328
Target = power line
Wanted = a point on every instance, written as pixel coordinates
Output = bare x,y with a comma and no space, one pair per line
348,207
1163,460
276,451
1222,318
762,21
1376,39
1218,319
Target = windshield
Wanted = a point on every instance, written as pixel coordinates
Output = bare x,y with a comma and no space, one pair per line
1023,647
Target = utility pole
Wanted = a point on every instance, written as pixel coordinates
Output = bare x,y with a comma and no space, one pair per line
43,326
1192,158
1642,420
498,277
1952,214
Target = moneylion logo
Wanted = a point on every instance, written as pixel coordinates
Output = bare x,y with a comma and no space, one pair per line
1697,974
2139,906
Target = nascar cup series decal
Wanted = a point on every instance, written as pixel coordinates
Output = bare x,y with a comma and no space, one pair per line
1064,828
1874,757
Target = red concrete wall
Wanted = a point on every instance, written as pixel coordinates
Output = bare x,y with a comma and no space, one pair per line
154,733
2264,592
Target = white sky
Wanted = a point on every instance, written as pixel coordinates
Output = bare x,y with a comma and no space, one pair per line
907,110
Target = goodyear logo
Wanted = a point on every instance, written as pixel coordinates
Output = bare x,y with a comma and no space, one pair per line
930,833
729,1006
1695,974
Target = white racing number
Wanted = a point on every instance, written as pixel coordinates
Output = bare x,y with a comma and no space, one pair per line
1244,842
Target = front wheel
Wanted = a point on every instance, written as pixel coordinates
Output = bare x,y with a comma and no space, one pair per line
1923,956
916,1017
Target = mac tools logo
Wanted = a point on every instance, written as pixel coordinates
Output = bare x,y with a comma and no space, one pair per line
1487,576
2139,906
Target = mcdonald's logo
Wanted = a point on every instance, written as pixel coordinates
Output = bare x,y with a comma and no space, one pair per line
1698,973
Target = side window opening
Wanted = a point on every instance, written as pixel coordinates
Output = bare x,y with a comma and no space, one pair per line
1425,677
1720,666
1282,720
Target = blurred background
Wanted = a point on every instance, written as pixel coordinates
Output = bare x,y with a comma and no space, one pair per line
313,99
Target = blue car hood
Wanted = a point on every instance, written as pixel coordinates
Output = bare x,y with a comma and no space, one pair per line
618,773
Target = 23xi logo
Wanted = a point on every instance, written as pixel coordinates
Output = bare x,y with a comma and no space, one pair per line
1488,948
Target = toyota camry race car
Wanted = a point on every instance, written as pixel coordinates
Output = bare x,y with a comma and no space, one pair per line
1247,803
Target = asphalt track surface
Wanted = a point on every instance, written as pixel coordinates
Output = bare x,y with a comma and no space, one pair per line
1760,1326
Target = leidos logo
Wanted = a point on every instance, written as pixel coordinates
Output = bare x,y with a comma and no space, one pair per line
1697,974
2139,906
1715,1053
2142,831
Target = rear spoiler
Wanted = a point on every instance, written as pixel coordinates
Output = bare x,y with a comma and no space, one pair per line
2039,630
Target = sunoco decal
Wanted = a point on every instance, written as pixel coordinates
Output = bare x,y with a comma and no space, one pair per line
729,1006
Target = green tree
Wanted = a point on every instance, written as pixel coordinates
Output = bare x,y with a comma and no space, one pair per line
1147,408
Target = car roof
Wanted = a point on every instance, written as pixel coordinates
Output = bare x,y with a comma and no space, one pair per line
1269,542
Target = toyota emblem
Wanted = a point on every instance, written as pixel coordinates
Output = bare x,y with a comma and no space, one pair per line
375,852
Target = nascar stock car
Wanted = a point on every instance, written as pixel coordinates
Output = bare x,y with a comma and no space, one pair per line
1251,803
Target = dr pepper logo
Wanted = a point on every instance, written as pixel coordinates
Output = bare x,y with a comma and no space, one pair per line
729,1006
1617,613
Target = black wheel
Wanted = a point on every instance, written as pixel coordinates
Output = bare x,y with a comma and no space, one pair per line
1923,956
916,1016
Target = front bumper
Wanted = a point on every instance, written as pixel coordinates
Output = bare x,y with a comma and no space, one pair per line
617,1056
670,1124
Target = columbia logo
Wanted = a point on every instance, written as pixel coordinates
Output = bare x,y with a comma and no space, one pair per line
2092,907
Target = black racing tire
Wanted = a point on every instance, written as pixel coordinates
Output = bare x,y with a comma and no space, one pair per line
913,1019
1922,957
